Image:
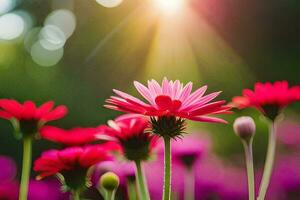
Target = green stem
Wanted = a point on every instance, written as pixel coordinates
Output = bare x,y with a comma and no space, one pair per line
131,190
110,195
189,185
249,165
268,163
26,166
143,190
76,195
167,170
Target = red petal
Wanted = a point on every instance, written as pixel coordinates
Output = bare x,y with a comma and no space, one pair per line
28,111
163,102
11,106
44,109
5,115
176,104
57,113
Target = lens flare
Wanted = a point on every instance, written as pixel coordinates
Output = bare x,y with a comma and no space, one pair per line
169,6
109,3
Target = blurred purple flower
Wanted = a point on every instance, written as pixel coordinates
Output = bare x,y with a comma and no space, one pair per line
289,133
154,175
8,169
214,180
8,187
286,178
47,190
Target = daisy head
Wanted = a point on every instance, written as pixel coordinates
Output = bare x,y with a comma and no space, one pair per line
27,118
169,102
130,132
268,98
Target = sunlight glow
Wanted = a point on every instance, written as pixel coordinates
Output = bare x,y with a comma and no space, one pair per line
169,6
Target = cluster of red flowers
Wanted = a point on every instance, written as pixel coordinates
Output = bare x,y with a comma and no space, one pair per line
130,133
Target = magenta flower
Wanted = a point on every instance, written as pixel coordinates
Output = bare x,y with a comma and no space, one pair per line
8,186
42,189
73,137
8,169
288,134
129,131
170,99
70,159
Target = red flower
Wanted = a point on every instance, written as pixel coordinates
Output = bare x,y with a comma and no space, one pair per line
28,116
72,137
269,98
71,159
28,111
170,99
130,132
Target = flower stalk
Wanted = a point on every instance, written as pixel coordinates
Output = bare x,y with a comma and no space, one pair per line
76,195
167,169
142,186
189,185
249,165
269,162
26,166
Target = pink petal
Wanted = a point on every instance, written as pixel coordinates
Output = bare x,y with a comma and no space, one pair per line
194,97
186,91
208,119
176,89
144,91
127,96
201,102
154,88
165,86
208,108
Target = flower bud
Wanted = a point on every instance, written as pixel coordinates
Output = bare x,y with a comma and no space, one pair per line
109,181
244,127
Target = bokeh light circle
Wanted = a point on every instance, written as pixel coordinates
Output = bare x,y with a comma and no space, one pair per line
109,3
64,19
31,38
52,38
12,26
45,57
6,6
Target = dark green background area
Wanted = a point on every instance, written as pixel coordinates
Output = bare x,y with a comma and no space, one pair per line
265,34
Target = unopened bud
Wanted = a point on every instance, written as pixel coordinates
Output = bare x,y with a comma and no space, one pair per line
244,127
109,181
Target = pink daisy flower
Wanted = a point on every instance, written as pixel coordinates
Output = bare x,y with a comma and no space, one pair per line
73,137
28,116
129,131
268,98
170,99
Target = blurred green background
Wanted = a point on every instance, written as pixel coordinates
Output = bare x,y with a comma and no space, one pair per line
228,45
